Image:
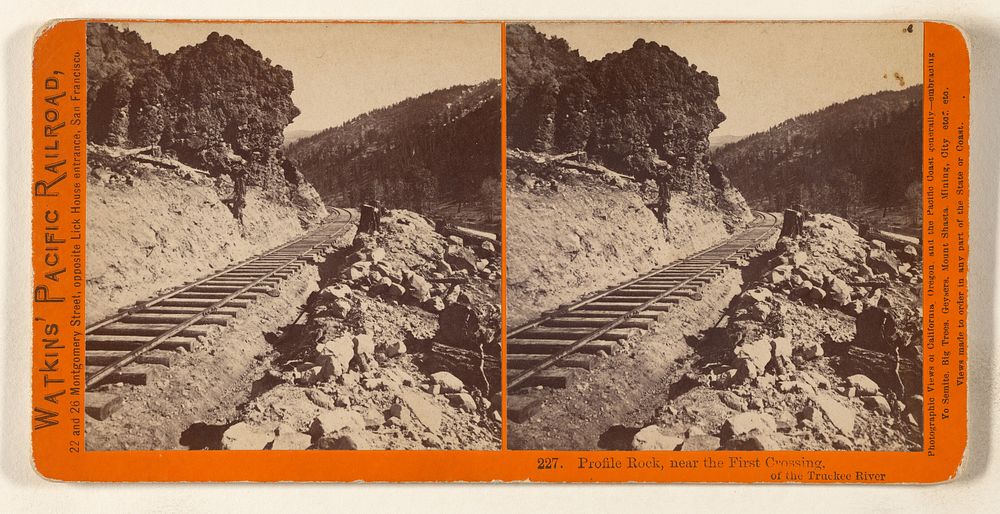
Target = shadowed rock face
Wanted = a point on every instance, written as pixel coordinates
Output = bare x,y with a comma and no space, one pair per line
218,105
645,110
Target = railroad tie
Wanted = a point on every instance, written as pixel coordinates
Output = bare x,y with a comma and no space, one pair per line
544,353
128,346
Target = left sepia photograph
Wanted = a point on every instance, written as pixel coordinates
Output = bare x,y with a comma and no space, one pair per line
293,236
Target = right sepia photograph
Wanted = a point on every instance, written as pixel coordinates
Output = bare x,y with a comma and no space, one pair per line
713,236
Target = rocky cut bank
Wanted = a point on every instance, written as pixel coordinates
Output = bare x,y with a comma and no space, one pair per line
185,169
608,173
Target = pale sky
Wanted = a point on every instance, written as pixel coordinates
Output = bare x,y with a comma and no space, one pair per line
769,72
341,70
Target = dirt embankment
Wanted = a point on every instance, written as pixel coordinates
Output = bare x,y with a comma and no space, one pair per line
572,232
153,226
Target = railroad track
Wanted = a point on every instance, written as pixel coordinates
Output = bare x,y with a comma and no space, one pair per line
126,346
540,353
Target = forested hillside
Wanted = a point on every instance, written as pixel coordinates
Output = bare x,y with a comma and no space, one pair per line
437,149
845,159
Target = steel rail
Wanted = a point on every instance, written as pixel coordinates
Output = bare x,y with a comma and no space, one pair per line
591,299
579,343
134,354
233,267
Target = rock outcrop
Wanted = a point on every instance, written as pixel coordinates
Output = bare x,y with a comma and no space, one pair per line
645,111
219,106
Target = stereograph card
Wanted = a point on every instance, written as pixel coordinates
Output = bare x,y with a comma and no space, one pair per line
500,251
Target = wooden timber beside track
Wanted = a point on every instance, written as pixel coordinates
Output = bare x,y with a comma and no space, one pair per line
127,346
545,351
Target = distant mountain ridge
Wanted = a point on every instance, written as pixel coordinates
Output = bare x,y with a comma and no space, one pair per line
853,155
720,140
442,146
296,134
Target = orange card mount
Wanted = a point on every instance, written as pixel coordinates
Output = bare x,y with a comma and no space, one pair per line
283,272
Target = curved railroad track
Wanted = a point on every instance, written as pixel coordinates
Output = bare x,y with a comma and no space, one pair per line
539,351
119,346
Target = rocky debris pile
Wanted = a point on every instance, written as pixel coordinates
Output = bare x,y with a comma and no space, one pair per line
539,171
394,411
356,373
350,391
830,266
409,263
798,360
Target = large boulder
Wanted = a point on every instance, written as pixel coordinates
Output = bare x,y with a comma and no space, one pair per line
842,417
808,273
812,350
449,383
364,344
748,423
387,270
426,412
877,403
242,436
653,438
376,255
291,440
463,401
863,385
338,291
460,257
781,348
419,288
700,442
755,443
335,422
756,295
839,292
883,261
335,356
758,352
462,326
